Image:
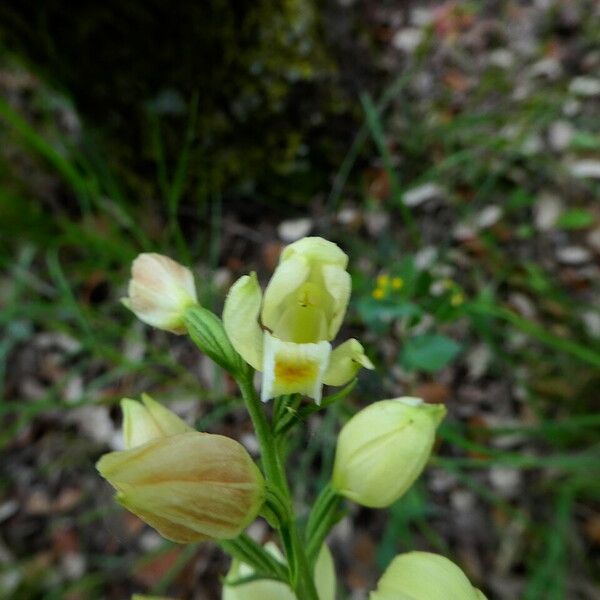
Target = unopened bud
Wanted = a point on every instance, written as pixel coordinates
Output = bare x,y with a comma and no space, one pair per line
189,487
424,576
383,449
160,290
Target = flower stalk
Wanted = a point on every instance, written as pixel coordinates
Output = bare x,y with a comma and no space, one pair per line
302,581
193,486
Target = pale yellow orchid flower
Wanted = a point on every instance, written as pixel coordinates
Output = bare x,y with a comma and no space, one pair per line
287,332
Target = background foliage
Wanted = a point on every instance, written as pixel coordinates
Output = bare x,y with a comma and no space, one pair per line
450,148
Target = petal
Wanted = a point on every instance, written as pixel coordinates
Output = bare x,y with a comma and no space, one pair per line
160,289
339,284
288,277
316,250
291,368
240,319
159,272
345,362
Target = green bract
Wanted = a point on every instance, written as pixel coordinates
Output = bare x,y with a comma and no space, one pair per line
266,589
286,332
383,449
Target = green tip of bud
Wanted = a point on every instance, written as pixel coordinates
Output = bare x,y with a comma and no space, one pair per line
436,412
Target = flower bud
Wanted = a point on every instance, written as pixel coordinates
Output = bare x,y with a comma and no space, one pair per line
160,290
424,576
267,589
383,449
148,421
190,486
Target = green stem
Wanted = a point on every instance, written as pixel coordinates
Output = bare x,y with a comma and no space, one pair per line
302,580
269,455
248,551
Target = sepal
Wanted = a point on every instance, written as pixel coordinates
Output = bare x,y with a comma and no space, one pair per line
240,319
345,362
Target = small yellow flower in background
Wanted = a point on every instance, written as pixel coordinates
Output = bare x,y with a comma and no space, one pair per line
384,283
160,291
148,420
265,589
189,486
383,449
383,280
457,299
397,283
424,576
286,332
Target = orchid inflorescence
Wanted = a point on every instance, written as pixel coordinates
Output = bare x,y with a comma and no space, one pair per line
193,486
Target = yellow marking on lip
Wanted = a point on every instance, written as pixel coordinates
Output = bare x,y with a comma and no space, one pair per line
294,372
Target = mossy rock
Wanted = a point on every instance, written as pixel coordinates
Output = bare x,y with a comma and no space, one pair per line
259,71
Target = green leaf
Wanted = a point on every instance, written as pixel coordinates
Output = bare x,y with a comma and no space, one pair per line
519,199
429,352
576,218
375,312
583,140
